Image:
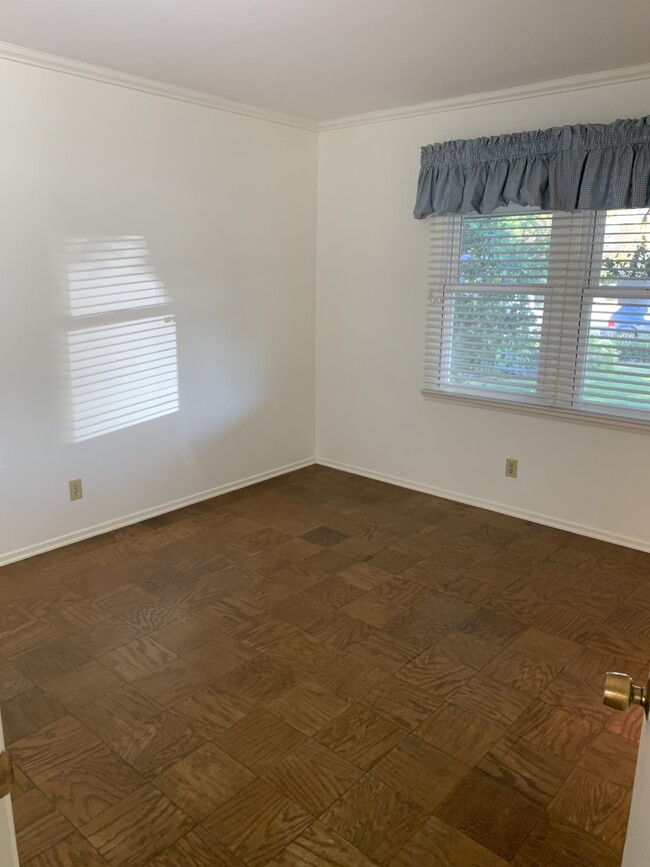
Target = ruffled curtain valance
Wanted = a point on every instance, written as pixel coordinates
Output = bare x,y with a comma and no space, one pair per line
564,168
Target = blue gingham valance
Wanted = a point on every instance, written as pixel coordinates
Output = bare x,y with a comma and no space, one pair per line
564,168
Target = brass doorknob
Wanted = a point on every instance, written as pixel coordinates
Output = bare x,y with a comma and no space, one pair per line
620,692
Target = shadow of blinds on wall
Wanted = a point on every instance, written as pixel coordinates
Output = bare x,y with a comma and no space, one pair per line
122,351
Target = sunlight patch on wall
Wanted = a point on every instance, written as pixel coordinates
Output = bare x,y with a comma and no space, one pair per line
122,351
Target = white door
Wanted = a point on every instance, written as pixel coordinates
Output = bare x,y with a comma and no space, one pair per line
8,851
636,852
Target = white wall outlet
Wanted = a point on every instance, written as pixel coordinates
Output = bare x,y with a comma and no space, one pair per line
511,468
76,491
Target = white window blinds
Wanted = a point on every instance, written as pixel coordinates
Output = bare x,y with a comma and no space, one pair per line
546,309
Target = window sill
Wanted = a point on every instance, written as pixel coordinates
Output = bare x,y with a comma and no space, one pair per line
573,416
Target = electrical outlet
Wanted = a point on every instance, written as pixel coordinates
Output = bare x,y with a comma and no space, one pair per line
511,468
76,491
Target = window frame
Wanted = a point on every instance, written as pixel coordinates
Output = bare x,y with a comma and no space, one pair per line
573,314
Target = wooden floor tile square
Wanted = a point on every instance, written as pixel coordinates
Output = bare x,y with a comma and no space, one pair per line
307,707
259,740
196,849
319,846
536,773
54,748
557,843
594,805
12,681
152,746
491,700
173,682
459,733
360,736
437,844
27,712
106,636
138,658
88,787
50,659
400,703
611,757
39,826
384,651
258,823
73,851
212,710
313,776
555,730
375,818
421,772
117,713
260,680
495,816
436,673
203,780
26,637
82,685
135,829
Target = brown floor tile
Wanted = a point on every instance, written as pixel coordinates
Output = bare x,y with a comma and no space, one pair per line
495,816
54,748
50,659
82,685
39,826
138,658
73,851
152,746
135,829
259,740
117,713
313,776
257,823
375,818
212,710
307,707
562,845
27,712
555,730
203,780
173,682
88,787
360,736
435,672
532,771
459,733
491,700
525,673
400,703
437,844
12,681
106,636
196,849
421,772
318,846
594,805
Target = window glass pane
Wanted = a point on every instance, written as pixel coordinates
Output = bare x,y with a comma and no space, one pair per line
617,365
505,249
626,255
493,340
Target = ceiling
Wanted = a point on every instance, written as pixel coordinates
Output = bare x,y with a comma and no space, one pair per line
324,59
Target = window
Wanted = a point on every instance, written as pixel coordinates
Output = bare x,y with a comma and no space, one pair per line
545,310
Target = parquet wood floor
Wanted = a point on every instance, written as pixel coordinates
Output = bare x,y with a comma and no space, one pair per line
322,670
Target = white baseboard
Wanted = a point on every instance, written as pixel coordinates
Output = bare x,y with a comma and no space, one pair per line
503,508
136,517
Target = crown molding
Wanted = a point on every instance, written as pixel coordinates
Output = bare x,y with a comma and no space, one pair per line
19,54
511,94
30,57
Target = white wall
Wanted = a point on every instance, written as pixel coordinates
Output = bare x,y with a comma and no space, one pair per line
372,285
227,205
